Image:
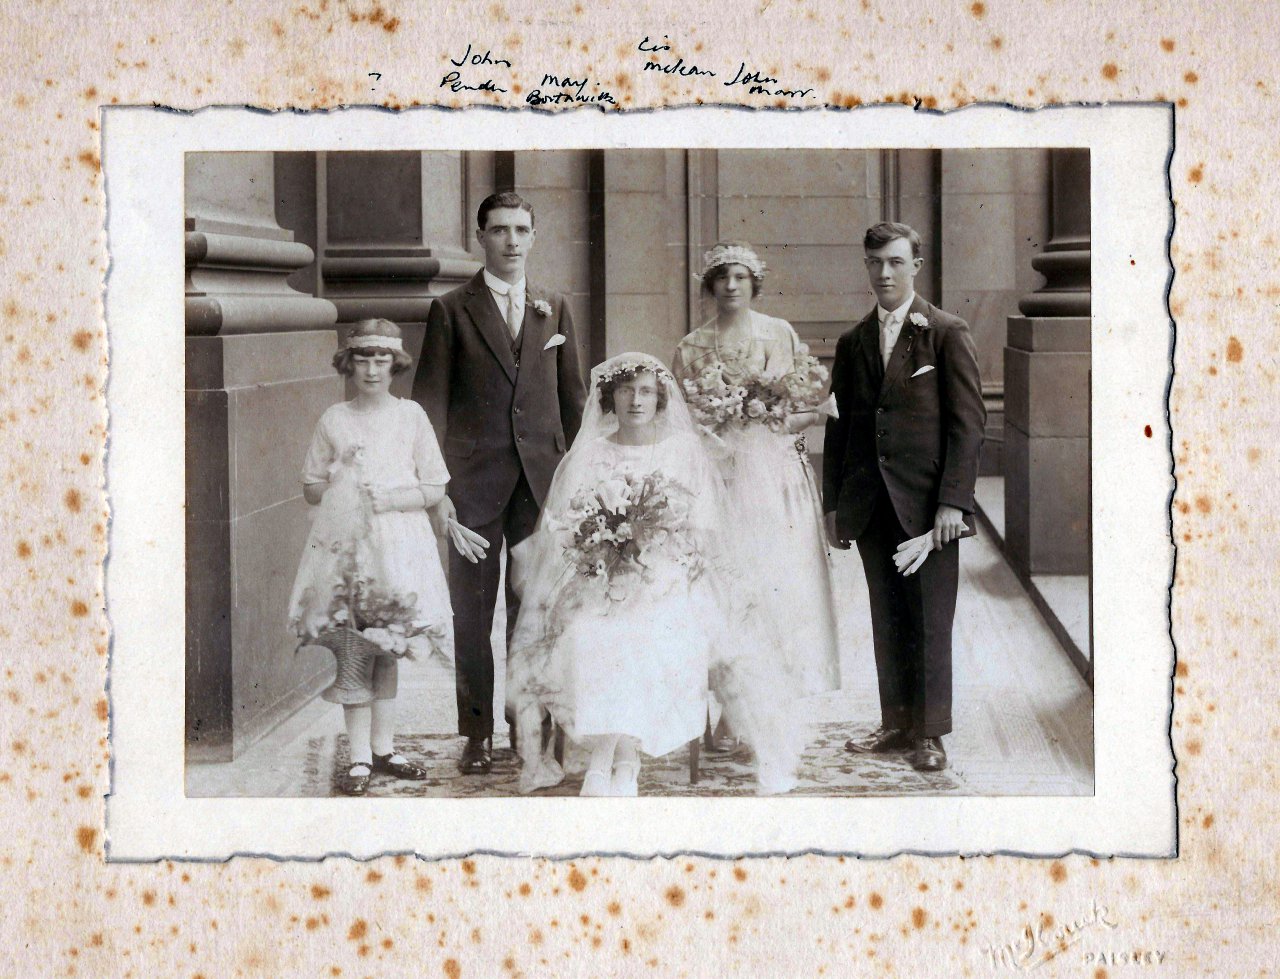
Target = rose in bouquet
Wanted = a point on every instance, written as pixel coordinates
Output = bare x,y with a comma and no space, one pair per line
715,400
616,527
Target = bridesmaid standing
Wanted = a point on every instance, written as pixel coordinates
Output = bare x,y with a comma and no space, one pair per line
771,490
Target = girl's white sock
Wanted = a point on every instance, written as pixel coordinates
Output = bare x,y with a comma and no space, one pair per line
383,727
358,720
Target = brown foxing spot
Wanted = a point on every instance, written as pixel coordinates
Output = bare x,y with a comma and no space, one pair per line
81,340
997,43
614,908
739,874
1147,431
90,159
524,889
359,928
100,708
1110,71
422,883
1099,973
1167,44
1196,174
1057,872
452,969
24,549
86,837
320,892
1194,747
978,9
576,880
1235,351
79,609
1208,821
1191,78
675,896
918,917
876,901
148,898
73,500
372,877
1204,504
84,791
468,867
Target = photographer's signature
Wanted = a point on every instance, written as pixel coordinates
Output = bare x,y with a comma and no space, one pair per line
1040,942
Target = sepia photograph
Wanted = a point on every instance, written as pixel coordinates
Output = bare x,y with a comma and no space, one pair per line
657,472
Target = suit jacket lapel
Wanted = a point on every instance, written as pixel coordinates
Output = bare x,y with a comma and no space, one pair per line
902,349
488,320
531,326
869,341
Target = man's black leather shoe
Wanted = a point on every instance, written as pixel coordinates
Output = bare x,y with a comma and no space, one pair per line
880,740
928,755
477,756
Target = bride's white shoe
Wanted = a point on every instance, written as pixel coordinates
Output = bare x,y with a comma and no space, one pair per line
626,779
595,783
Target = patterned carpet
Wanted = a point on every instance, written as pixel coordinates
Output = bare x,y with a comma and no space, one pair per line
826,770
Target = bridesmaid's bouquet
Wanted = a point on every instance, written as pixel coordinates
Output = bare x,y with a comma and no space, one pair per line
719,398
617,525
376,614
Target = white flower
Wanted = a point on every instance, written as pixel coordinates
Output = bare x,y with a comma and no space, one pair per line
615,494
542,307
920,320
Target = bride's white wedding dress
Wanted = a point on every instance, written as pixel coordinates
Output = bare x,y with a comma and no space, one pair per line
639,662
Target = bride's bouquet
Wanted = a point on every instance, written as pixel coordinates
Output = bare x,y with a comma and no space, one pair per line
719,398
616,527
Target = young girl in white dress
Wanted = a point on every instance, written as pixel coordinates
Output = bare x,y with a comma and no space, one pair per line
771,495
618,619
372,470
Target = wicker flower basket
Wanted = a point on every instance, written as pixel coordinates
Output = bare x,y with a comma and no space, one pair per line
353,683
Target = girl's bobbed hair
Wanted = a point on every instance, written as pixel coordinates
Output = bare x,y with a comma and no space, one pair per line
389,341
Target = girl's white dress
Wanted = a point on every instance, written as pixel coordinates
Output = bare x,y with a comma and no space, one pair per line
392,447
635,663
774,508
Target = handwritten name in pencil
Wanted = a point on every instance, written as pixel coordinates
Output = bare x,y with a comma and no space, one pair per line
486,58
571,90
758,84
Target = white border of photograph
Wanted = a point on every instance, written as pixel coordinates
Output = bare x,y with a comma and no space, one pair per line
1133,809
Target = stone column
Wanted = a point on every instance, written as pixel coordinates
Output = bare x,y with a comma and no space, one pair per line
258,377
1046,368
394,231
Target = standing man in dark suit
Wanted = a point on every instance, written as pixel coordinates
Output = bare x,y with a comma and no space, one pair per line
500,380
902,461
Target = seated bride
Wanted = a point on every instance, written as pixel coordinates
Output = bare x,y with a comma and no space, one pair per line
617,618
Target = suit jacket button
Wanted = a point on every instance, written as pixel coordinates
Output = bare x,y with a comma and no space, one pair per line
519,438
517,411
884,458
880,434
879,411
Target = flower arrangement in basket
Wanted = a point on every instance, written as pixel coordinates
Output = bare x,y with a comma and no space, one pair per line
616,527
720,398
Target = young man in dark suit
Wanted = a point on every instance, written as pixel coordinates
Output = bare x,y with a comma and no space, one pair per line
901,461
500,379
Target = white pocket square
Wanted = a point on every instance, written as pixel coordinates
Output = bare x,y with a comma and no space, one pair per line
555,341
923,370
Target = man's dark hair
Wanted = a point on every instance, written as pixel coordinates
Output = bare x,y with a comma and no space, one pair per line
879,235
508,198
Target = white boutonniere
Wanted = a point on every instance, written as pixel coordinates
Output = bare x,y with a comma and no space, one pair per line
555,341
541,307
919,320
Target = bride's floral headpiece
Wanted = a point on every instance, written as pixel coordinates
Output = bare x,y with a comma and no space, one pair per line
732,255
628,364
375,341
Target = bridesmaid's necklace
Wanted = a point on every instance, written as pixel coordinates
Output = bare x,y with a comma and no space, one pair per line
715,337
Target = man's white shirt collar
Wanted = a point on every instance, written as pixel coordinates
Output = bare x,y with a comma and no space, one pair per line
501,286
899,314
